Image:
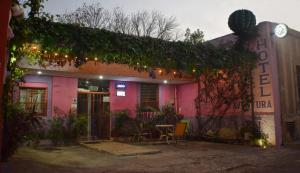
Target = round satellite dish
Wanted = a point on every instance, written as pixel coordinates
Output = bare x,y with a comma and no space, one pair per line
281,30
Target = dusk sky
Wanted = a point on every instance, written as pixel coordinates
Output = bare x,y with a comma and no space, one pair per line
209,16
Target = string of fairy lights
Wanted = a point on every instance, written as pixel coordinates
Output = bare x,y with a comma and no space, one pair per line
54,58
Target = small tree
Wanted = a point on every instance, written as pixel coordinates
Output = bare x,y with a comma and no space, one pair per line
195,37
93,16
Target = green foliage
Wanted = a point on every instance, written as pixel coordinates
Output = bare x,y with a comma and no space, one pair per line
169,114
137,52
120,118
67,129
56,131
80,124
35,7
197,37
242,22
18,125
124,125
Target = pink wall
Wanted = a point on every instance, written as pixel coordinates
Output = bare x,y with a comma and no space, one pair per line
186,95
129,101
166,94
64,91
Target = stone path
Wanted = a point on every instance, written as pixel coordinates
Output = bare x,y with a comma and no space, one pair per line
120,149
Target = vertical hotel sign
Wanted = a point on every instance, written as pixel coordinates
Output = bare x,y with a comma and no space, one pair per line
262,78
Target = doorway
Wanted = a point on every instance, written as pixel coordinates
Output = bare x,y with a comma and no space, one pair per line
95,105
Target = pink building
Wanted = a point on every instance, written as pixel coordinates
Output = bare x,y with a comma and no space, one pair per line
97,88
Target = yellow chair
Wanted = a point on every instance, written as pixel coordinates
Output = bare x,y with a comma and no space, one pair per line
178,132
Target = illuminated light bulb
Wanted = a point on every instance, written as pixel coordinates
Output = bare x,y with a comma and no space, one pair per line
194,70
87,82
160,71
34,47
45,51
39,72
96,59
66,56
145,66
100,77
174,72
165,81
260,142
55,54
86,58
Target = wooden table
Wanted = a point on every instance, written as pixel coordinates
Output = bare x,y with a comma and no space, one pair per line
164,130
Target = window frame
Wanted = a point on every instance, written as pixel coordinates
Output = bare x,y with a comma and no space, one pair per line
45,104
156,96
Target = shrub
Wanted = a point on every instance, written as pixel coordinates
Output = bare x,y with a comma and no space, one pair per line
170,115
18,126
124,125
56,131
67,129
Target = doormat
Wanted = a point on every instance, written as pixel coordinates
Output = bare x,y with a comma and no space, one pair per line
120,149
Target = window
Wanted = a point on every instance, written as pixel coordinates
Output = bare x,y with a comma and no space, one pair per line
34,99
149,95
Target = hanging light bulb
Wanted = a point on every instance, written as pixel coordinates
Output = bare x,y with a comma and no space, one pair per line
55,54
66,56
34,47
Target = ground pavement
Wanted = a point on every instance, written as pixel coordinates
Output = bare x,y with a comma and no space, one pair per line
187,157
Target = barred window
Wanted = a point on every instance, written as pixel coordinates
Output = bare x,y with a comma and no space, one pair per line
149,95
34,100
